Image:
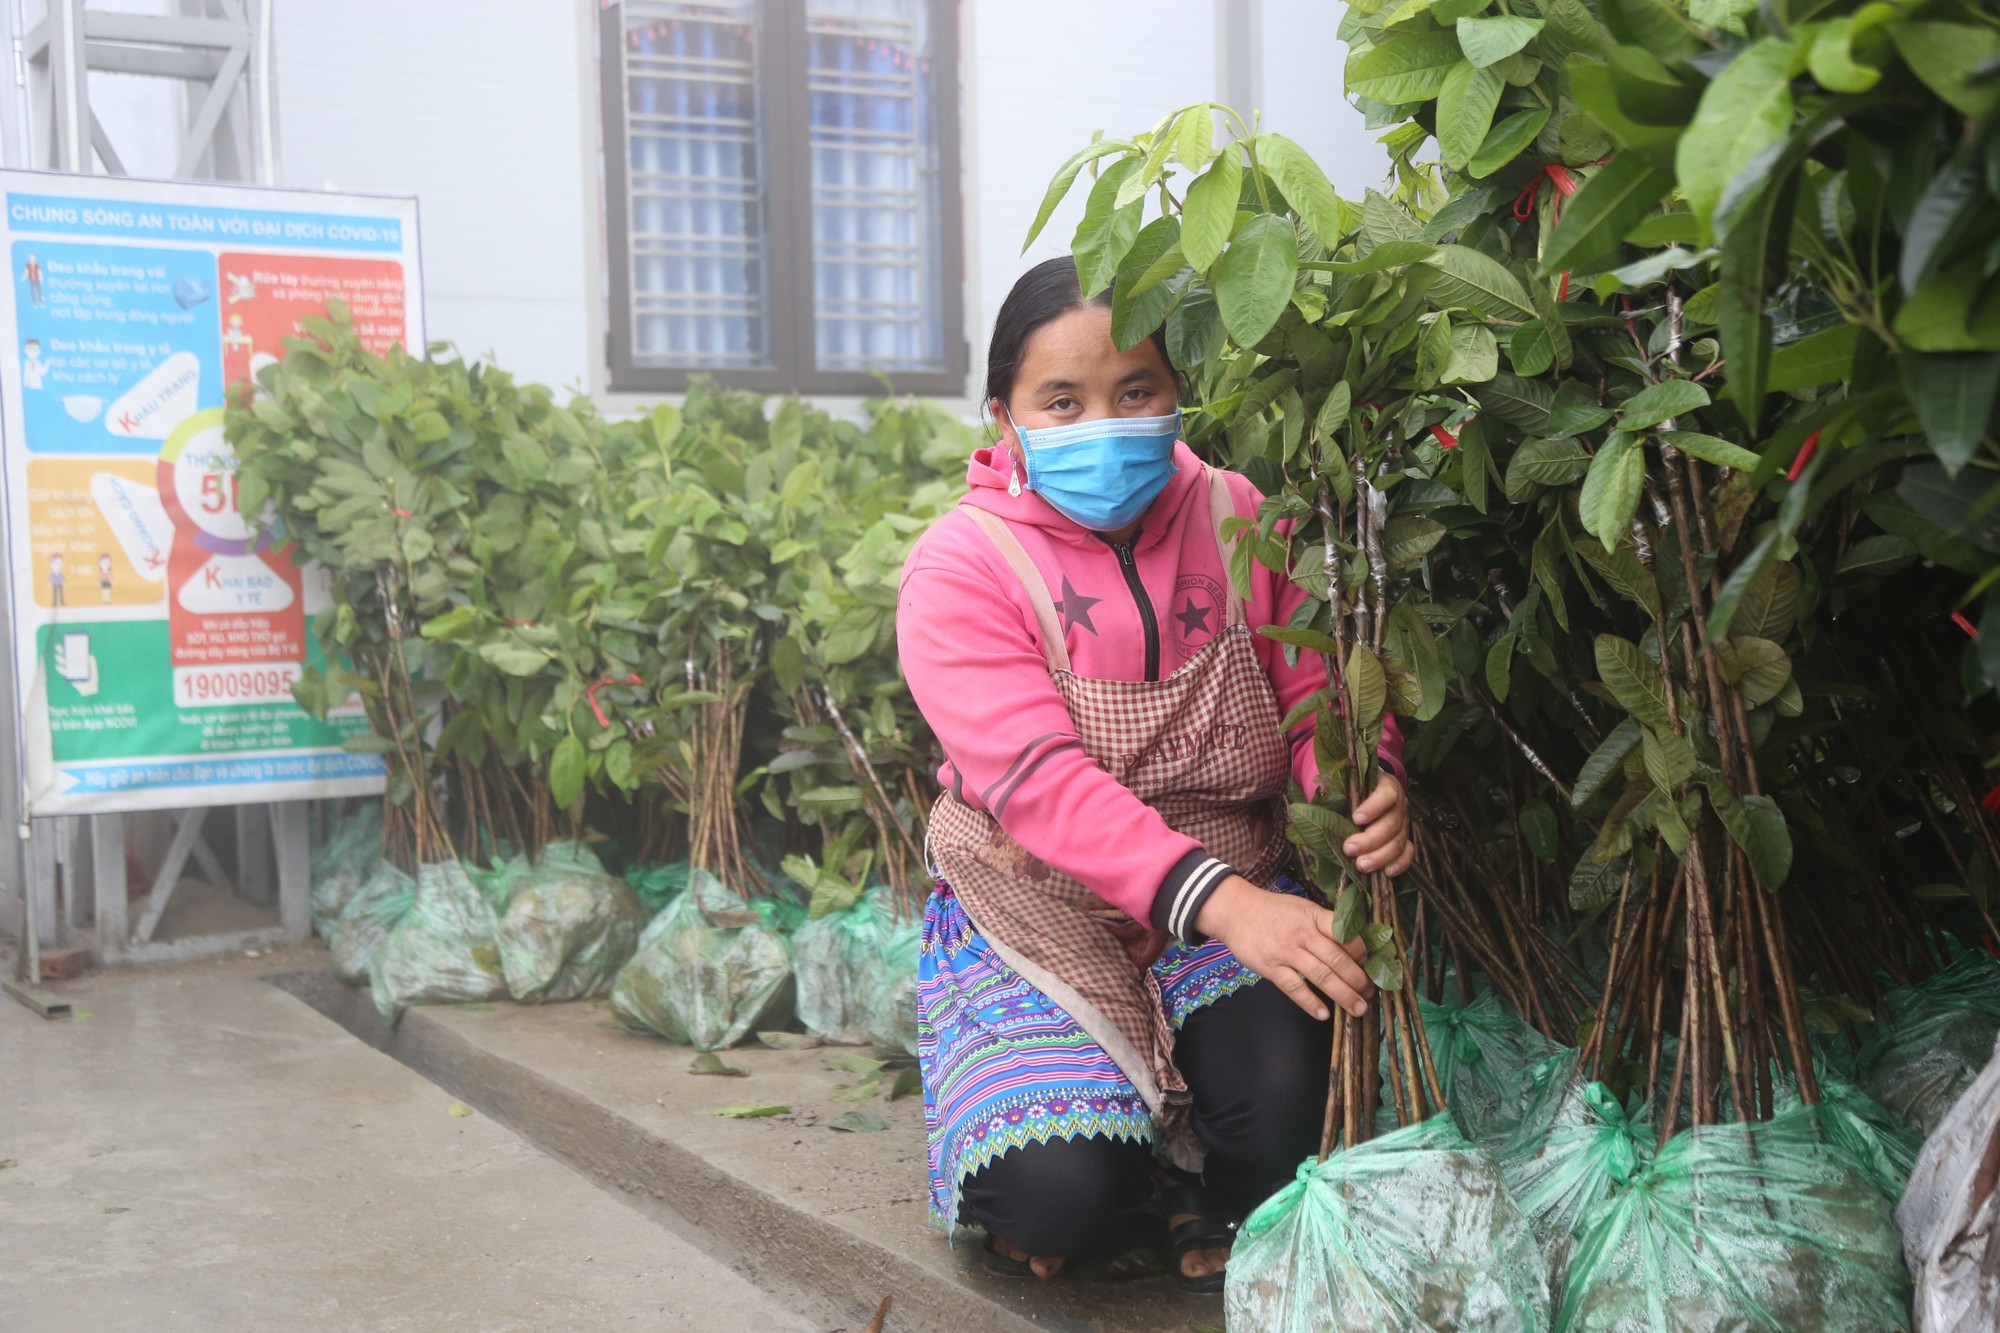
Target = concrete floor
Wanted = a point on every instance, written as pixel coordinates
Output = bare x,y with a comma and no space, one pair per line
195,1149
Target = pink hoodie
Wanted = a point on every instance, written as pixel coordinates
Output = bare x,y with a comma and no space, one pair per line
973,657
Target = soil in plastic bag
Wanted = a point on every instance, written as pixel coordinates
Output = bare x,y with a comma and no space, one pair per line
443,952
1762,1227
1880,1146
568,926
1413,1231
343,864
367,921
1934,1038
656,886
1576,1146
1486,1056
892,1002
708,971
857,973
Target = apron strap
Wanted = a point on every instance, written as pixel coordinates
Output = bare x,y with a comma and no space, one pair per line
1054,650
1221,507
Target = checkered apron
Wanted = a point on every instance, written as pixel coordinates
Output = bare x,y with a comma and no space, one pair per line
1205,749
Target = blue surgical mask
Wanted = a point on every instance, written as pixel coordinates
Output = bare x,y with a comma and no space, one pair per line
1101,474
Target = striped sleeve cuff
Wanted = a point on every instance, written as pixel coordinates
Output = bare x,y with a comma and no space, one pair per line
1183,892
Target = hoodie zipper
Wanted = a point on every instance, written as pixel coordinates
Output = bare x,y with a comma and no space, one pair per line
1150,622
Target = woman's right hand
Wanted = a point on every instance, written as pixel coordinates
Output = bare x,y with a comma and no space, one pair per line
1288,940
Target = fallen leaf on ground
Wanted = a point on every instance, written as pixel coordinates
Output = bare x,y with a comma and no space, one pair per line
477,1007
881,1313
6,1162
458,1108
117,1210
855,1063
708,1062
908,1083
859,1122
752,1112
788,1041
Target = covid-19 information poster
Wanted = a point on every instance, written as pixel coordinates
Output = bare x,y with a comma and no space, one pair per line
157,632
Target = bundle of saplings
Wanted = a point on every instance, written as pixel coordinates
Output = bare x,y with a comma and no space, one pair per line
1643,444
709,971
567,926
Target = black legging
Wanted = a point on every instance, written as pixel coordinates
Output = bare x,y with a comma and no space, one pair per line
1256,1064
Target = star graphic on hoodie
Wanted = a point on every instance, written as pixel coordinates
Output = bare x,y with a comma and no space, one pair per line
1075,608
1194,620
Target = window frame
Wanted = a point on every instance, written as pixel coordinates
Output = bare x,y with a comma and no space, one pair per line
783,103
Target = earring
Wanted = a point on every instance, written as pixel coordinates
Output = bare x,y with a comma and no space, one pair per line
1014,481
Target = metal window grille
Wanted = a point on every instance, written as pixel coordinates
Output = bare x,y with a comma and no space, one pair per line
875,186
780,212
700,285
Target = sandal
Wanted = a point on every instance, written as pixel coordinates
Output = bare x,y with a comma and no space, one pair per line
1204,1230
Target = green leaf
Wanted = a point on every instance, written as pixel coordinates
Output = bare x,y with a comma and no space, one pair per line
1612,487
1669,759
1320,830
1253,280
1333,412
1946,55
1594,885
1305,187
1604,762
1408,538
1832,61
1209,212
860,1120
1761,668
1500,666
1954,394
1135,317
1634,680
1710,449
1621,568
514,658
1301,637
1471,280
1816,359
1745,109
1487,41
1758,827
1474,356
1660,402
1107,231
1945,314
1350,914
1574,411
1505,141
1609,206
753,1112
1385,255
566,770
1882,554
1545,463
1403,68
708,1063
1537,823
1531,352
1386,973
1465,108
1367,690
1194,137
1058,187
1739,583
852,636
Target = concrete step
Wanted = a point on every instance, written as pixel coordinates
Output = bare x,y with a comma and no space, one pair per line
828,1222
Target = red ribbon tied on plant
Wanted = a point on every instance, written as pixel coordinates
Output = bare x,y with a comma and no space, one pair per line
1805,456
1990,802
591,694
1445,437
1958,619
1554,172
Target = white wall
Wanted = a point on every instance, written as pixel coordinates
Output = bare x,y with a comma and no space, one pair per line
1040,75
475,108
1301,97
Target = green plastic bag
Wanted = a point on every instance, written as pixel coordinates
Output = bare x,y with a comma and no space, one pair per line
366,922
1486,1056
1576,1146
568,926
1880,1146
656,886
443,951
1933,1038
892,1000
1764,1227
837,960
343,864
1410,1232
708,971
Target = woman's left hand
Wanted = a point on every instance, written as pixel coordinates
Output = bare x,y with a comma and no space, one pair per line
1384,819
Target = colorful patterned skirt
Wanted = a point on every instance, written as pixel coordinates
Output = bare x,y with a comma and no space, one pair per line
1004,1066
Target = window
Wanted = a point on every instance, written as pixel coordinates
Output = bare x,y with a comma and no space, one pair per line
782,189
